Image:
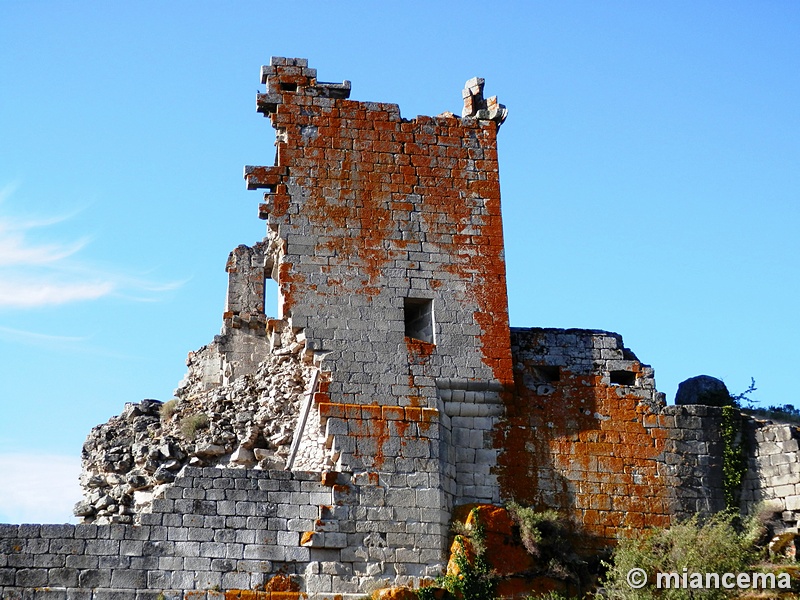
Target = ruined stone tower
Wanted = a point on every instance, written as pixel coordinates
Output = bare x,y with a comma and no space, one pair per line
388,255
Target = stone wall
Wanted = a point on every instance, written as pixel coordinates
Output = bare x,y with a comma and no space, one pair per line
234,529
692,457
587,433
773,475
584,433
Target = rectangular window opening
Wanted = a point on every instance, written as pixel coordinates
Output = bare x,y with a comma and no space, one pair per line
288,87
623,378
271,298
546,373
418,314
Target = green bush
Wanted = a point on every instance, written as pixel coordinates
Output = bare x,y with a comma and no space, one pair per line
191,424
475,580
168,409
545,535
734,459
539,530
785,413
719,544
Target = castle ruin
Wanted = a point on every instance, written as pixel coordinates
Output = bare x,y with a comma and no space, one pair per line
333,441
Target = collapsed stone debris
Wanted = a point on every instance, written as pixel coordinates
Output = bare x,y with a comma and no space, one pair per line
332,443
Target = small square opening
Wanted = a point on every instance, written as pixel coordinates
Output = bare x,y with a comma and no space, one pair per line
418,314
546,374
623,377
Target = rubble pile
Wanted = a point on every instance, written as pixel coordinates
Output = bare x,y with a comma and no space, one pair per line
248,422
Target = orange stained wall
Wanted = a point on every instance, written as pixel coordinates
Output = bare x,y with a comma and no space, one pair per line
583,445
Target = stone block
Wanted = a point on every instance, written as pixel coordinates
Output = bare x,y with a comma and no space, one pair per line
150,519
264,552
113,562
187,549
102,547
131,547
400,498
114,595
81,561
33,546
785,490
144,562
792,503
200,534
213,550
782,458
209,580
182,580
147,595
170,563
430,498
94,578
57,531
62,577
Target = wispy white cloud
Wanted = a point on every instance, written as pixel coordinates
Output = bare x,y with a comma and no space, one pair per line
15,251
20,335
38,488
35,274
29,294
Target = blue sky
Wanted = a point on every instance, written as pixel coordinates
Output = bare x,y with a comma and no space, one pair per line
650,172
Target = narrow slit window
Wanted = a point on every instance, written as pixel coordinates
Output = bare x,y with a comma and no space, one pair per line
271,294
418,313
623,377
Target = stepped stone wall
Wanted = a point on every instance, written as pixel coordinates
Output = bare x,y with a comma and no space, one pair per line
332,443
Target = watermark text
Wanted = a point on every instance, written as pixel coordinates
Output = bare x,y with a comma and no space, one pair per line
638,578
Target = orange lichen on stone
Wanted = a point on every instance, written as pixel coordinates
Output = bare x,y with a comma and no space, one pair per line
504,552
321,397
282,583
386,198
581,446
413,413
463,546
262,595
418,350
307,537
372,411
329,478
392,413
396,593
329,409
